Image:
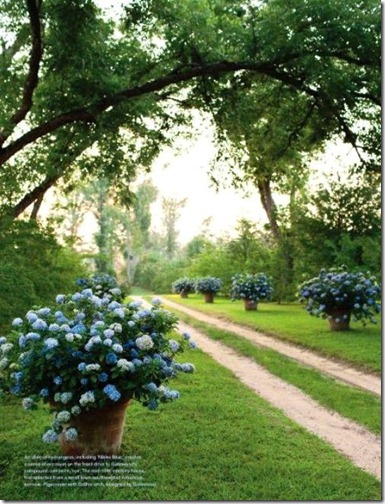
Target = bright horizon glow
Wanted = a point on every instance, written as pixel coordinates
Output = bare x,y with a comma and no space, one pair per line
183,172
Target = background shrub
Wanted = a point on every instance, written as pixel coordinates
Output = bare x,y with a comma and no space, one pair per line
157,273
34,268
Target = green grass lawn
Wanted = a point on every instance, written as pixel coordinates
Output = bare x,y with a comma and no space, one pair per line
361,346
138,291
357,405
219,441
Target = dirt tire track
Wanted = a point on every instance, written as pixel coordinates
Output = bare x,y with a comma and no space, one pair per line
338,370
350,439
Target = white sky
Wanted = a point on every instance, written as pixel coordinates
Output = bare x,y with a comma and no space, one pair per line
184,174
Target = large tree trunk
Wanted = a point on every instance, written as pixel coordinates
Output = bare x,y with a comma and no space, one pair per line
36,207
129,258
269,206
286,270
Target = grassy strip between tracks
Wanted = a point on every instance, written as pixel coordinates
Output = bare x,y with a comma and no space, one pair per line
360,406
360,347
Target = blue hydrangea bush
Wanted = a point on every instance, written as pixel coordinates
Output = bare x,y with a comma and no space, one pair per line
183,286
89,351
344,293
208,285
253,287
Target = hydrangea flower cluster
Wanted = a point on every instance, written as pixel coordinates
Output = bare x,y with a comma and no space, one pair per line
252,287
183,286
101,283
355,294
89,351
208,284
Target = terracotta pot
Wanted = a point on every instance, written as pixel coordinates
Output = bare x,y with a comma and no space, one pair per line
250,304
100,431
339,319
208,297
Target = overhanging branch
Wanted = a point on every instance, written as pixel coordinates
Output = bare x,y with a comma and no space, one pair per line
34,195
32,77
90,114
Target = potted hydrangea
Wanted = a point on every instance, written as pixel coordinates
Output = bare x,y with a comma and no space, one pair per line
208,286
338,296
88,357
251,288
183,286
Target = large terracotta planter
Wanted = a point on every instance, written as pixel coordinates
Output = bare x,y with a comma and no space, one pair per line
250,304
208,297
339,319
100,431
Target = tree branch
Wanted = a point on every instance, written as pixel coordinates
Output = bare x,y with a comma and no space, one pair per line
34,61
350,59
90,114
7,53
58,170
36,207
350,137
215,69
34,195
369,96
300,125
32,77
79,115
31,80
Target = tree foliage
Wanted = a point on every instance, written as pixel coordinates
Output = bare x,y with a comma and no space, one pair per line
75,78
340,225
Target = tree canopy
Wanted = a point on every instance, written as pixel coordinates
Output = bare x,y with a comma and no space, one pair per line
78,79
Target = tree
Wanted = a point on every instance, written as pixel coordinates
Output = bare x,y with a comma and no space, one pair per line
270,145
266,130
145,195
68,215
170,208
354,208
340,225
251,249
122,230
138,227
74,77
195,246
